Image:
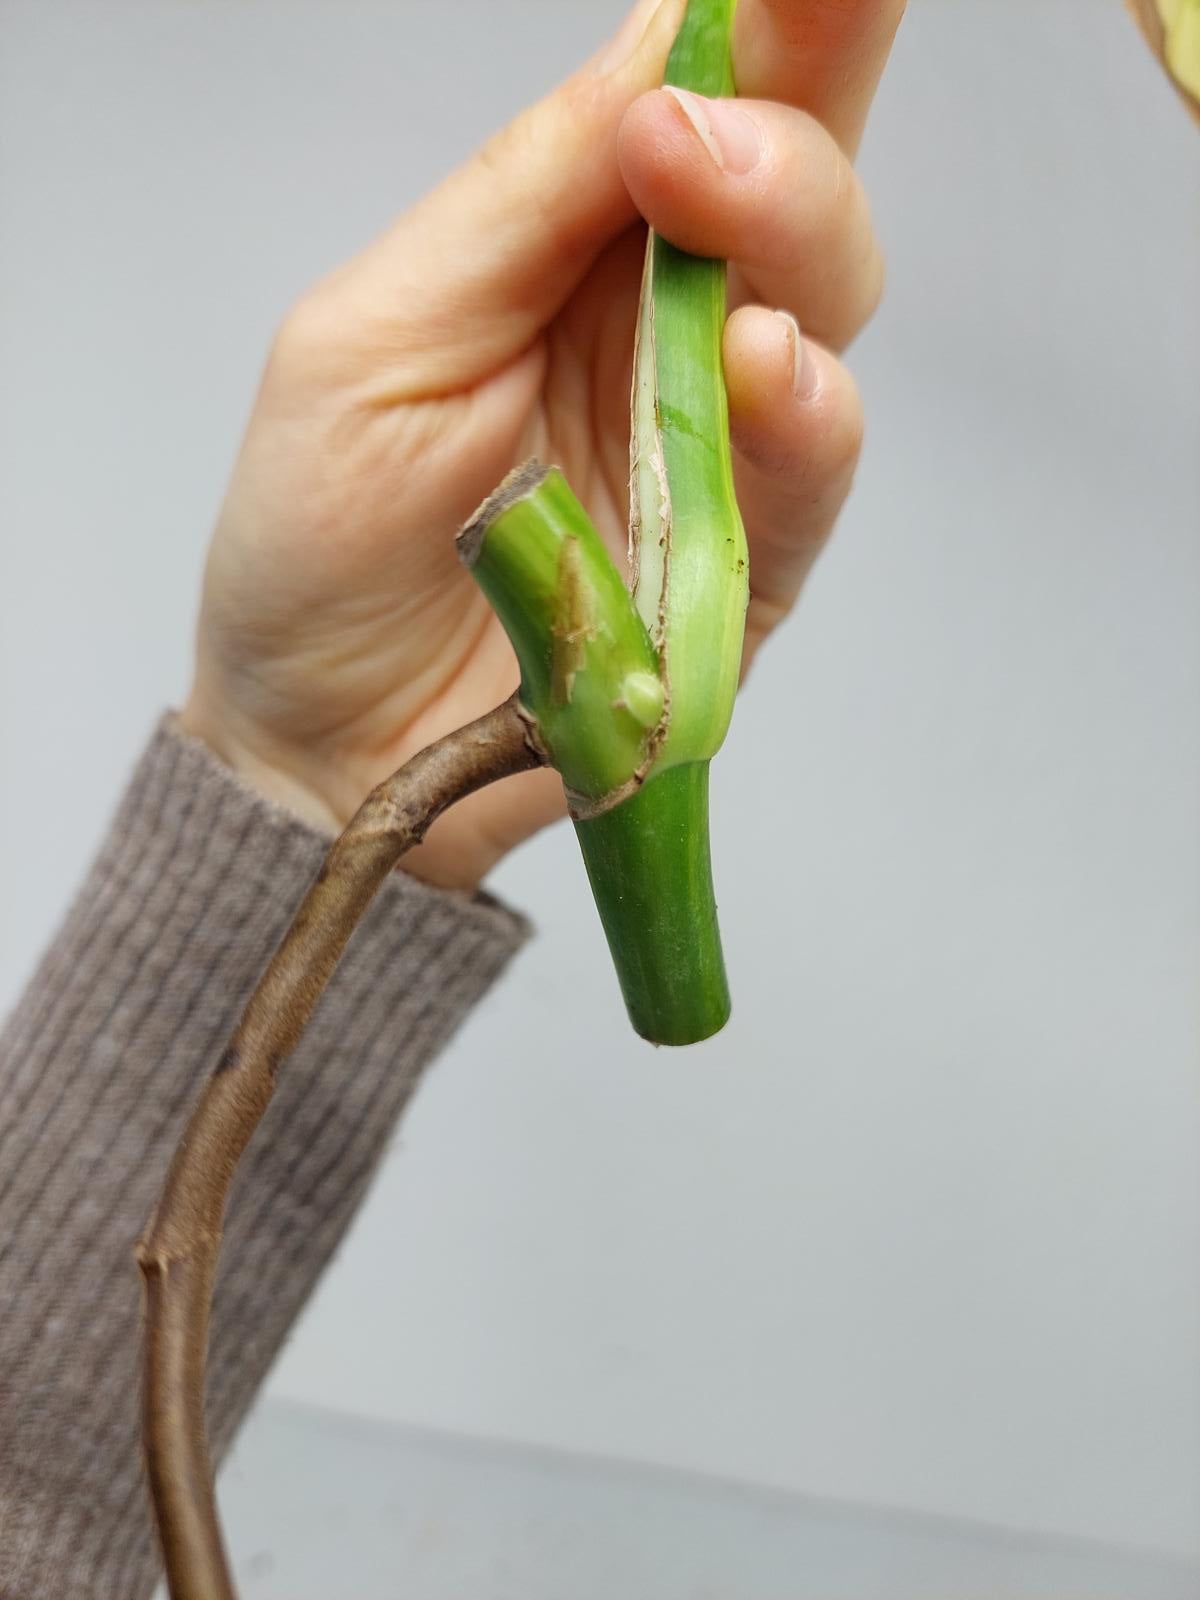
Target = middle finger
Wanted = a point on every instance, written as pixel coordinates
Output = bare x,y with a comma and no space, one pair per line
766,187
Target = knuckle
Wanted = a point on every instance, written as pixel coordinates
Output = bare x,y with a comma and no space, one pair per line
863,271
825,196
299,336
874,284
509,158
496,154
321,340
845,440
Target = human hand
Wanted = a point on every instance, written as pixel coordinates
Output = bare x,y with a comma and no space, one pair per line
339,634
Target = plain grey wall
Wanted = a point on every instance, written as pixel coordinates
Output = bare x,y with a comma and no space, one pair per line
922,1227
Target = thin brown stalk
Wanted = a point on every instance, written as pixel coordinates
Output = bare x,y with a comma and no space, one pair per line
179,1251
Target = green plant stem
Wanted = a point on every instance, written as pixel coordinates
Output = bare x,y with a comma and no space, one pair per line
631,696
691,585
687,543
590,688
589,675
648,863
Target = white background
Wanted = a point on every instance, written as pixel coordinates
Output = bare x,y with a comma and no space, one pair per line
922,1226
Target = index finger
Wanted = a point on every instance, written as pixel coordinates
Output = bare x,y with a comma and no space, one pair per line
824,56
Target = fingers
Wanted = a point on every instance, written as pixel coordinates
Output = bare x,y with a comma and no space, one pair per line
766,187
467,278
472,273
796,424
824,56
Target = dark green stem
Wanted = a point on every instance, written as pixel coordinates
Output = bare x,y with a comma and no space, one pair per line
648,862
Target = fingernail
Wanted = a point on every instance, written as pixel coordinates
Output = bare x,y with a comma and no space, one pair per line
804,368
627,38
730,134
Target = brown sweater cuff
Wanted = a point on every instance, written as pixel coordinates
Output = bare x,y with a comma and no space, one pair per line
194,885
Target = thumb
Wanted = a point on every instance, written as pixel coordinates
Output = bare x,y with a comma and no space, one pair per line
467,279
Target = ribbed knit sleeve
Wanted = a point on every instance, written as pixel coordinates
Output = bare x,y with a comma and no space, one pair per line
99,1065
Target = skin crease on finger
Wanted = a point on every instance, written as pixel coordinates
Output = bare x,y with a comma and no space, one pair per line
338,634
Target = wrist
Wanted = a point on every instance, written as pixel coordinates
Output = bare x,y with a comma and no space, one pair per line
455,857
276,780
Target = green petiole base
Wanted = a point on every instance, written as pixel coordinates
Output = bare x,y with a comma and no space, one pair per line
650,871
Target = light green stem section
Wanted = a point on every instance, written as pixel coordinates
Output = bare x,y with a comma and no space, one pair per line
588,672
688,546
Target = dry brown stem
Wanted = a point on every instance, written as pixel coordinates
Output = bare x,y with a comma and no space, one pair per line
178,1252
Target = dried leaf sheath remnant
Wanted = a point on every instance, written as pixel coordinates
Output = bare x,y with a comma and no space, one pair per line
179,1250
1172,30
